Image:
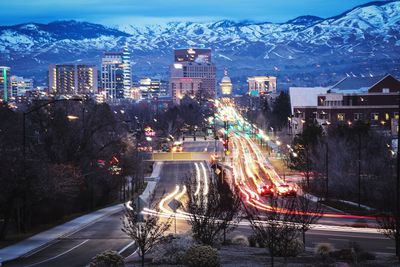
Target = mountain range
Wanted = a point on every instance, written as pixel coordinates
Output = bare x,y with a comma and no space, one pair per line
305,51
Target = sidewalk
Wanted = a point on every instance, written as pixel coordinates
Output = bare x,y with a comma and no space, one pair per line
38,241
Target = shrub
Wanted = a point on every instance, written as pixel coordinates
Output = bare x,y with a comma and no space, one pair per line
366,256
240,240
290,249
202,256
172,249
323,250
252,241
343,254
107,258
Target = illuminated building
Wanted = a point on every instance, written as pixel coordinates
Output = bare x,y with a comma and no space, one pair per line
226,85
184,87
150,88
70,79
20,86
259,85
196,66
112,75
192,55
126,69
5,84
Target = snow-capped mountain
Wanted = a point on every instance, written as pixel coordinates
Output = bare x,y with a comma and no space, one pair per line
306,50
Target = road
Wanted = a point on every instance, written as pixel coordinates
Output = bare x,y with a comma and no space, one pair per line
77,249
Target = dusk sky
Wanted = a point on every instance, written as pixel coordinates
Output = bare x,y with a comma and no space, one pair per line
113,12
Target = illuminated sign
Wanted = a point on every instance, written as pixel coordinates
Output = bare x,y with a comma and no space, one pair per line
148,131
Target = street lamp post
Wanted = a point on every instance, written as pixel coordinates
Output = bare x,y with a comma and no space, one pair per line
359,170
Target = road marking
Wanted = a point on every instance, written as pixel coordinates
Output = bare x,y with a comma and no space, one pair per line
126,247
59,255
391,248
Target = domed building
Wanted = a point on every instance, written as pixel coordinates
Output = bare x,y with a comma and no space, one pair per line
226,84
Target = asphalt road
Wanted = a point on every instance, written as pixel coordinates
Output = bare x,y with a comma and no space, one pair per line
77,249
201,146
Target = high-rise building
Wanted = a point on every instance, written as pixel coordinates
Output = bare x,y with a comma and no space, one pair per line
70,79
196,66
259,85
5,84
226,84
116,74
112,75
126,67
20,86
193,55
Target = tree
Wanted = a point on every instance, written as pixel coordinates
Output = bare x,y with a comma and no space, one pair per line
211,213
303,147
306,214
281,110
147,232
276,226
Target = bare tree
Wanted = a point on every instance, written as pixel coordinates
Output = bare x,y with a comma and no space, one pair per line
276,226
212,213
306,214
147,232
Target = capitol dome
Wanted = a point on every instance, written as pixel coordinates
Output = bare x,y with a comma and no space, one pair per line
226,84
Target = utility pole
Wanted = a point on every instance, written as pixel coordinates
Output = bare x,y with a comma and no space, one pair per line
359,170
397,237
326,170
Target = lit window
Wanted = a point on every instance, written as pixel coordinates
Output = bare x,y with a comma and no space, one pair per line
375,116
387,117
340,116
396,115
385,90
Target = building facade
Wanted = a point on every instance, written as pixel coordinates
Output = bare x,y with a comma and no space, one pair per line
374,100
193,68
5,84
20,86
259,85
181,87
112,75
151,88
70,79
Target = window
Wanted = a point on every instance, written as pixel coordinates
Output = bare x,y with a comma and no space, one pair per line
387,117
358,116
385,90
396,115
375,116
340,116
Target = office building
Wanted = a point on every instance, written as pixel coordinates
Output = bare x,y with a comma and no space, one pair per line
193,71
5,84
116,74
20,86
71,79
151,88
193,55
226,85
260,85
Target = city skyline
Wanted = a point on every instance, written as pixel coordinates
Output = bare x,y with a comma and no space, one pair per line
125,12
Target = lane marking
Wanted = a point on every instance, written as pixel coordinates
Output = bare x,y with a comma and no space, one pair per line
59,255
126,247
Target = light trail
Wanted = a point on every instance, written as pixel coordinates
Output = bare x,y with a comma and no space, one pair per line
197,179
205,189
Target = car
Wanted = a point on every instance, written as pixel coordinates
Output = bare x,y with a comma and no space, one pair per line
287,190
177,147
266,190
